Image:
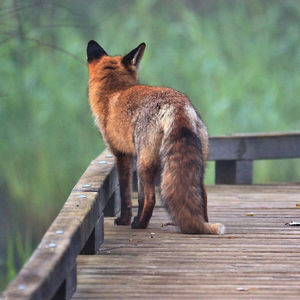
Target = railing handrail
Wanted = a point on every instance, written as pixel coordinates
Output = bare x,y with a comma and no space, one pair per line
255,146
234,154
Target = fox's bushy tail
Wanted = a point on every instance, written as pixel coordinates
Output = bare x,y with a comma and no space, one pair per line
182,182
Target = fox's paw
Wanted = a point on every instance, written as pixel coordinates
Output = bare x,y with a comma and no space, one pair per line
122,221
220,228
136,224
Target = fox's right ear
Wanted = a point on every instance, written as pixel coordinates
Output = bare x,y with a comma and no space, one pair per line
94,51
135,56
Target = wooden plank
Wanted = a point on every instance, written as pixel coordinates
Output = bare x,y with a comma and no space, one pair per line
258,258
255,146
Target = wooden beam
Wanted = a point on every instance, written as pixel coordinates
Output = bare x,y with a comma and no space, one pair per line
233,172
68,286
95,239
255,146
114,205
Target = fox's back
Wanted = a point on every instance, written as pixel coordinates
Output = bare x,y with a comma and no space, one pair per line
147,112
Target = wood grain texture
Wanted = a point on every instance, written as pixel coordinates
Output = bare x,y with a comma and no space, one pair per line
255,146
258,257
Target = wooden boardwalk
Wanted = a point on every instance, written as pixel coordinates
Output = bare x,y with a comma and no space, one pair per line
257,258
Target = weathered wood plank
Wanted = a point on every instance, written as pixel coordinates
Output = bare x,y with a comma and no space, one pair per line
259,257
255,146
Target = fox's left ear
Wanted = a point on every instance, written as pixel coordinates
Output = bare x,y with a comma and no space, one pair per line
94,51
135,56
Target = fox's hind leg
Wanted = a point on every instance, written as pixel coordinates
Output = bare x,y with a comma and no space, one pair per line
124,166
204,196
141,198
146,194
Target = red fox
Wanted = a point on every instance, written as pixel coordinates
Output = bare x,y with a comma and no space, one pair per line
161,128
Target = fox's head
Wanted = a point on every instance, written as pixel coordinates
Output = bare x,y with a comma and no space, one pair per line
113,71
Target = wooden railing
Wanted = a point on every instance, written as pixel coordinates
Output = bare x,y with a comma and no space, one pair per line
234,154
50,273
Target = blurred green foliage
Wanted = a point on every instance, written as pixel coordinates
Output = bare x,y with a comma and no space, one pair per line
238,61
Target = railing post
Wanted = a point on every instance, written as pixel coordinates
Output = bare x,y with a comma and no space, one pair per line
68,286
233,172
95,239
114,204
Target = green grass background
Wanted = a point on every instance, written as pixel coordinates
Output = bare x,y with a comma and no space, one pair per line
238,61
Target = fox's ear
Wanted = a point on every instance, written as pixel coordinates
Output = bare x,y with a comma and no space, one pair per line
94,51
135,56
